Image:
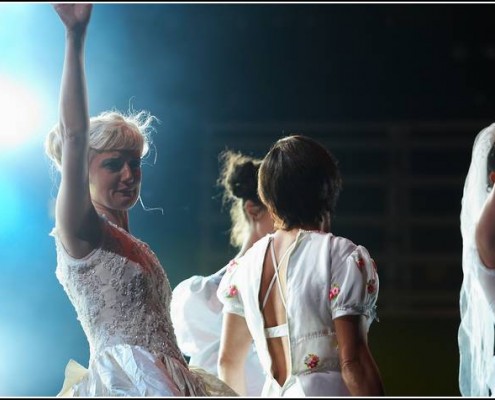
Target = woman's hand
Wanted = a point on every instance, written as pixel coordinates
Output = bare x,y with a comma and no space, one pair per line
75,16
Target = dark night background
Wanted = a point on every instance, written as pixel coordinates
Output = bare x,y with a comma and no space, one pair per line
396,91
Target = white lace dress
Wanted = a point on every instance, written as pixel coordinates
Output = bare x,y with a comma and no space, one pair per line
122,296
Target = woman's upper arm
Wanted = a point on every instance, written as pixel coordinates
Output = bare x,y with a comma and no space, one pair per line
485,232
236,337
359,370
351,334
235,334
234,347
77,220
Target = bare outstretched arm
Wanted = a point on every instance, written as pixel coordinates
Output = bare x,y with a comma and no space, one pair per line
76,217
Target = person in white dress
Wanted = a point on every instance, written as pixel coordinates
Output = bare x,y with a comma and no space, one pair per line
195,309
305,296
477,295
119,290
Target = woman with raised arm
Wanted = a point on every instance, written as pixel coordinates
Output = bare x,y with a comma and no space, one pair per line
195,309
477,296
115,282
305,296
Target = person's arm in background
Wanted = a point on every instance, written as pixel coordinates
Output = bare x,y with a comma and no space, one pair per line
485,232
234,347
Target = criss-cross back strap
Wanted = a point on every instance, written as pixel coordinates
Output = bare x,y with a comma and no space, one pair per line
276,274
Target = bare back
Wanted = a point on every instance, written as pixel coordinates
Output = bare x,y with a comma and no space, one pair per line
272,300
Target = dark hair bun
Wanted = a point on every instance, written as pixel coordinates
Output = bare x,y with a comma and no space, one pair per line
243,181
239,176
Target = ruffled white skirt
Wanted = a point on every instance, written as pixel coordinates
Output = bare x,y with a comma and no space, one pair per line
132,371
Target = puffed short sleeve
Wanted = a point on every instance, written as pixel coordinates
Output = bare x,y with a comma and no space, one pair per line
228,290
354,286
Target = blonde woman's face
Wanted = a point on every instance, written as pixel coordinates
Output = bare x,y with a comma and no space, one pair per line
115,178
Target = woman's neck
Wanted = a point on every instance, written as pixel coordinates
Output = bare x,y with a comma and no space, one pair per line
118,217
247,244
323,227
252,238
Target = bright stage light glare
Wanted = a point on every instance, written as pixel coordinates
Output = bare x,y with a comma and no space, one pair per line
20,113
6,358
9,208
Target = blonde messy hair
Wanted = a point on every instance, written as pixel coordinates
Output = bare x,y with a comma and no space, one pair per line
239,180
110,130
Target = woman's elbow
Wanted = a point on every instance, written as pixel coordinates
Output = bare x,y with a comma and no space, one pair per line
361,379
227,361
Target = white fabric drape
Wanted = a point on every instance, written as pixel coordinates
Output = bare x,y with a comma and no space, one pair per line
476,331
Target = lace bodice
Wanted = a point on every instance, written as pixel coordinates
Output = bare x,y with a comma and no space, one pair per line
121,294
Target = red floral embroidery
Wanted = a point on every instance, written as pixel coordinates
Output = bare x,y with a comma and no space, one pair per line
360,263
371,286
334,291
232,291
311,360
232,264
